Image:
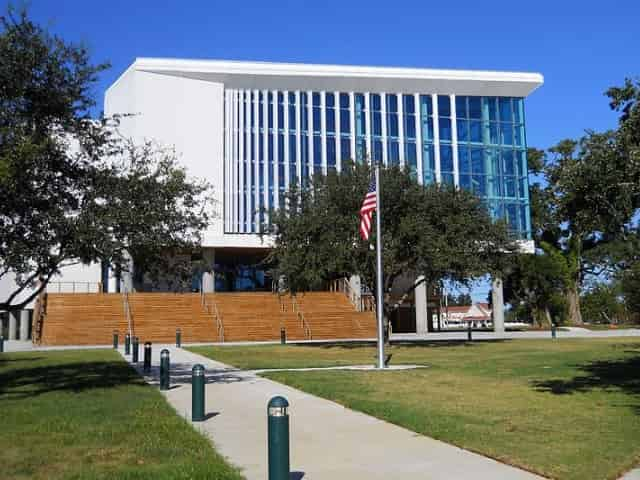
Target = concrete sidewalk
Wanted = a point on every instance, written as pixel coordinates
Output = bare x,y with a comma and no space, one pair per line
328,441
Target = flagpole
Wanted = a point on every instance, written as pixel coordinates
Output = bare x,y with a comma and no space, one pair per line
379,289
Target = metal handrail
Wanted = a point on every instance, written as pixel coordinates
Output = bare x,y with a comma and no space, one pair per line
216,313
306,328
88,285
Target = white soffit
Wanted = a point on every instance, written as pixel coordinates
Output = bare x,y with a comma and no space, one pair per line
292,76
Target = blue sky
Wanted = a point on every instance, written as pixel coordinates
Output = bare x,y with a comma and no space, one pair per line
581,47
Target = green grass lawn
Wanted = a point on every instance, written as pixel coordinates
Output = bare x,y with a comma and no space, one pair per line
566,409
88,415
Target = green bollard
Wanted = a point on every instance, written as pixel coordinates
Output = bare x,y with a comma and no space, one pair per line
278,438
1,343
127,344
469,334
164,369
553,330
197,393
283,336
135,350
115,339
146,366
178,338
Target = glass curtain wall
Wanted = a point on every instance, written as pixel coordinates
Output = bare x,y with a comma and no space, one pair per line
276,138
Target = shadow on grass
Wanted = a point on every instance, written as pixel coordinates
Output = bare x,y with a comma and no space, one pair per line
619,374
21,383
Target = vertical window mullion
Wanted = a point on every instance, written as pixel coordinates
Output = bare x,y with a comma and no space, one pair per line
436,136
310,128
323,130
265,150
276,160
298,134
286,138
352,121
256,164
336,115
401,129
241,154
367,126
454,141
419,145
383,133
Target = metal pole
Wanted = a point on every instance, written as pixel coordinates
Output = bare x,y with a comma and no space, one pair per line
278,439
164,369
379,288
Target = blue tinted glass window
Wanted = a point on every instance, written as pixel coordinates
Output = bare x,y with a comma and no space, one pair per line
518,110
280,116
475,107
375,102
392,124
317,150
315,98
463,130
393,152
509,163
446,158
377,150
461,107
444,125
426,106
345,148
344,100
519,136
329,99
409,105
376,123
477,160
475,131
330,120
292,116
410,126
292,149
280,97
331,152
465,181
410,155
317,123
464,160
427,129
292,97
280,148
444,106
493,134
345,122
392,102
507,133
505,109
492,108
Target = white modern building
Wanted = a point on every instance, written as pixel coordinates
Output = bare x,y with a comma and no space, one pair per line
252,128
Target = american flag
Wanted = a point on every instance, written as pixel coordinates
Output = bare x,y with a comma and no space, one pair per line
367,209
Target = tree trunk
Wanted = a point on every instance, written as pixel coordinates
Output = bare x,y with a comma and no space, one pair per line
547,315
573,295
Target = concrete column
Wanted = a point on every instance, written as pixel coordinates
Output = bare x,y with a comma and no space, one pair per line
208,283
497,299
25,322
13,325
420,295
356,286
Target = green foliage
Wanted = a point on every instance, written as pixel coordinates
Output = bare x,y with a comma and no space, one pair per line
461,299
603,304
435,231
71,190
534,283
630,288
